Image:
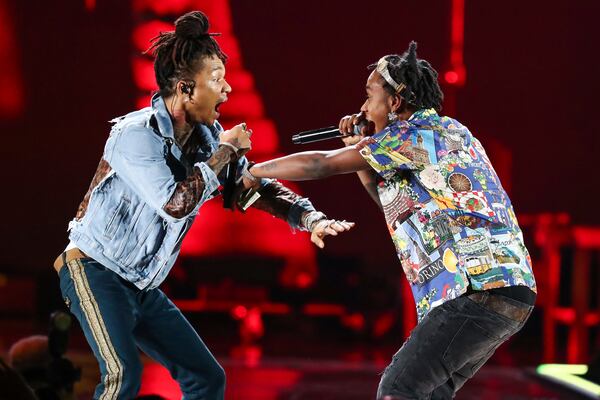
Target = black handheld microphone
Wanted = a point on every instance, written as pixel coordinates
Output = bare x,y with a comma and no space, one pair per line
330,132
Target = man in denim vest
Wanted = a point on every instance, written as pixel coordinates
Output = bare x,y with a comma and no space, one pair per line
160,164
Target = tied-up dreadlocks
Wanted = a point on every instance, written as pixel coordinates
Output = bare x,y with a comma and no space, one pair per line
179,54
421,79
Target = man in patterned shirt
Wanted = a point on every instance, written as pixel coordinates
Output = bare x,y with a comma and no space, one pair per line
451,221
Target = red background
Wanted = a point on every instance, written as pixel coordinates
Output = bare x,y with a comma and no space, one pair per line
531,86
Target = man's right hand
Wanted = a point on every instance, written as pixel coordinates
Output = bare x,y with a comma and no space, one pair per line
346,127
239,137
327,227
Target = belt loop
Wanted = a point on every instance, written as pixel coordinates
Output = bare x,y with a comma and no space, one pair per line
64,257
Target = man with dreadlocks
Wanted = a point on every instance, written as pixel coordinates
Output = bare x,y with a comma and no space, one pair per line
160,164
450,219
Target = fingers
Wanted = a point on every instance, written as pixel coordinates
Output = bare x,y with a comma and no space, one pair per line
346,125
241,126
317,240
347,129
240,137
358,118
350,140
341,226
330,231
329,227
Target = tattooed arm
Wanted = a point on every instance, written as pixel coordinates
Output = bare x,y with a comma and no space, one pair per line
311,165
189,191
139,156
298,211
279,200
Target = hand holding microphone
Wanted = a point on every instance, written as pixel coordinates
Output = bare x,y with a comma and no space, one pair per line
237,138
354,128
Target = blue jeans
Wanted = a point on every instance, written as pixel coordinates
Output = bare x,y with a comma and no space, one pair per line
117,318
449,346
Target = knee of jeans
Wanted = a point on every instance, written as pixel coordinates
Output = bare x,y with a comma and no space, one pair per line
395,384
386,382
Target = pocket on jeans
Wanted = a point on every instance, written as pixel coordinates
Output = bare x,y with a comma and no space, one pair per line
501,325
471,341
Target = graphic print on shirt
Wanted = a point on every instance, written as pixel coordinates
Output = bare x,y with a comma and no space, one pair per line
451,222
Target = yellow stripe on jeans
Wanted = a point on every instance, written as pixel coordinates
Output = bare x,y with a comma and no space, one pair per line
114,376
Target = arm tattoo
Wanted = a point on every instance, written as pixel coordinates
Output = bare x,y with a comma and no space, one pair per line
186,196
276,199
189,191
221,158
103,169
271,165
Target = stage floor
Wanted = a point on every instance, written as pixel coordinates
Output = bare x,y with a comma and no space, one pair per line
310,364
319,379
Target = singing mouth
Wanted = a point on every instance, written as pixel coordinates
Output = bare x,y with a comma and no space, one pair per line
218,106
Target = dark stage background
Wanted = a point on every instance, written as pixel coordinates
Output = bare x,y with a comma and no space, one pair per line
531,85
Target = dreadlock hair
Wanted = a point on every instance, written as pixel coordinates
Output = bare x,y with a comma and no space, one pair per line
421,79
179,54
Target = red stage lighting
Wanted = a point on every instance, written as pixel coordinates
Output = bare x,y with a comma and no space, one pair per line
239,312
451,77
90,5
12,98
304,280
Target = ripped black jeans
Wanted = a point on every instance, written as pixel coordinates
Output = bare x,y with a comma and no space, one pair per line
450,344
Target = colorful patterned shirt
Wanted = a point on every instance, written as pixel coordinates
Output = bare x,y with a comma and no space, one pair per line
451,221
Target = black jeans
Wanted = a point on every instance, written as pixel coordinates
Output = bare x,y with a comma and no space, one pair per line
449,345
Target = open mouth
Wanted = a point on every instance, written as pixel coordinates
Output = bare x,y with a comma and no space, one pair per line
218,106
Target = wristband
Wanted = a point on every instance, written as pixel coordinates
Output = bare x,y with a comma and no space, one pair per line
248,175
235,149
311,219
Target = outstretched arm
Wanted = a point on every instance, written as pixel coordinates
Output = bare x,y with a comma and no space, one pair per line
312,165
283,203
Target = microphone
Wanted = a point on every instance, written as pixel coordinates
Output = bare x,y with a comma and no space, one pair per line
330,132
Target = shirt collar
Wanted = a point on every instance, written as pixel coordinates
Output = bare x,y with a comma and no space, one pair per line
161,116
418,118
423,114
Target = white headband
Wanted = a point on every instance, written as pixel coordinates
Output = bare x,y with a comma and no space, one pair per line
382,68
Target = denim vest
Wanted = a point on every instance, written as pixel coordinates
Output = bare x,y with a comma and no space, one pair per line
125,227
